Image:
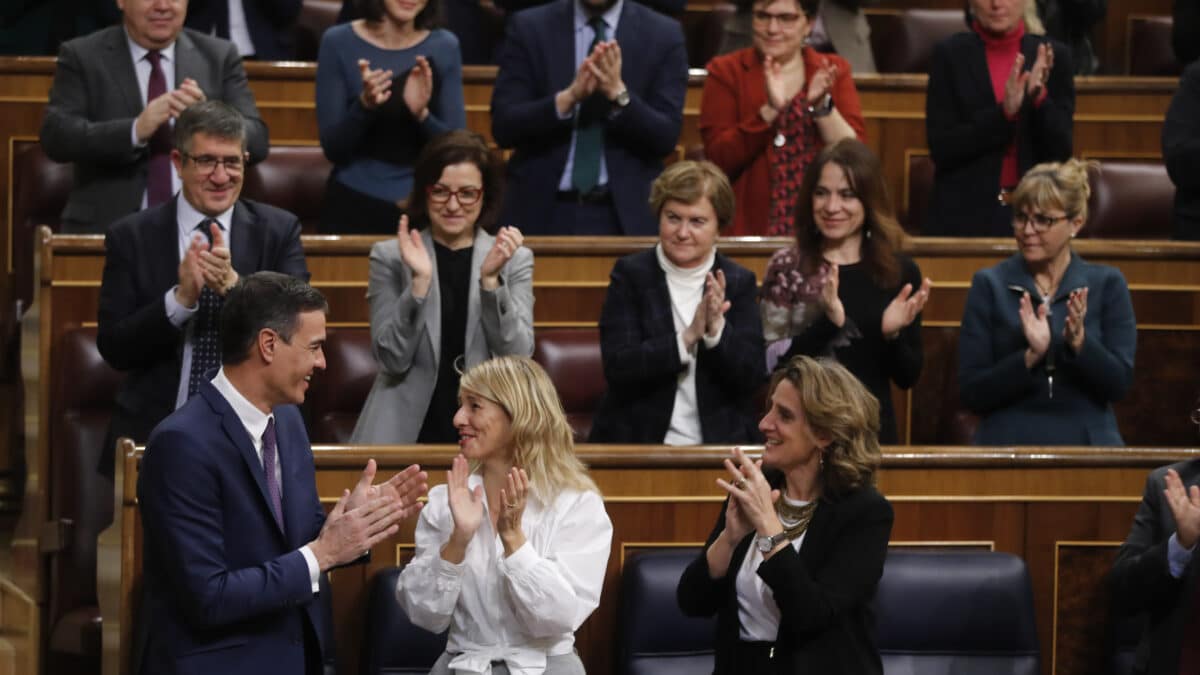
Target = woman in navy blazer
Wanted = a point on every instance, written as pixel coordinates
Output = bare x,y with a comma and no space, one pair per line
679,332
792,565
1047,340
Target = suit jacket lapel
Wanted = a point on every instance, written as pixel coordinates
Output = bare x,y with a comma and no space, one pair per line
233,428
163,236
245,245
123,73
478,252
433,302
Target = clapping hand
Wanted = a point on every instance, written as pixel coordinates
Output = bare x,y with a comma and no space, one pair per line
418,89
1076,311
1036,327
508,240
904,308
1185,507
782,86
1039,74
405,487
829,300
466,509
605,65
217,264
512,506
749,487
715,304
416,257
821,82
377,85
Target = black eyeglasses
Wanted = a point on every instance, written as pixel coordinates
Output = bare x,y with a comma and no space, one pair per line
787,20
1041,222
440,194
208,163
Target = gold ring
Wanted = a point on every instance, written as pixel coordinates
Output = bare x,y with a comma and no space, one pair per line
740,483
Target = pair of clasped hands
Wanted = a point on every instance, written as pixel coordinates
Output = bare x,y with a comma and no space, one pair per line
900,312
167,106
1036,325
600,71
709,319
416,257
1028,84
784,83
377,87
205,265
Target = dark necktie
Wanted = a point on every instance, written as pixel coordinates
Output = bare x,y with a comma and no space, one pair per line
589,131
270,458
206,348
158,181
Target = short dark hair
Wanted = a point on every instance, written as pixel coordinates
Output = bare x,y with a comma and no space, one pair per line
264,300
216,118
428,17
458,147
808,7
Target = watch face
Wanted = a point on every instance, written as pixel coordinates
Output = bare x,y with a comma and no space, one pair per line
623,98
765,543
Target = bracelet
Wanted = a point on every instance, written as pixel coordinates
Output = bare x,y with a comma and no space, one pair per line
822,108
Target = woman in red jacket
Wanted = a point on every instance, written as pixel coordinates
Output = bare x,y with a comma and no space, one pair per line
768,109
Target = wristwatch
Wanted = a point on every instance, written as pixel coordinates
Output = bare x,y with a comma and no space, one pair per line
766,544
622,99
821,108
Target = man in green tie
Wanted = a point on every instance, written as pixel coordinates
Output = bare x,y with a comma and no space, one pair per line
590,97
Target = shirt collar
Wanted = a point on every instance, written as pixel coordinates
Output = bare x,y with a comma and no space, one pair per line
610,17
253,419
188,217
139,52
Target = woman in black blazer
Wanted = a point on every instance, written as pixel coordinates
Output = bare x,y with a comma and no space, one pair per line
680,339
791,567
999,101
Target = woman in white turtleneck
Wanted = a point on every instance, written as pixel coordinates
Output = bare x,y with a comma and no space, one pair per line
679,331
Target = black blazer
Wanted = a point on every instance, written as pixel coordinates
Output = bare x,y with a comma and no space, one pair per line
93,102
1181,153
824,591
536,62
270,24
1141,580
968,133
641,358
134,335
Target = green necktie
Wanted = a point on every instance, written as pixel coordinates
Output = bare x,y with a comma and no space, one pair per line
589,130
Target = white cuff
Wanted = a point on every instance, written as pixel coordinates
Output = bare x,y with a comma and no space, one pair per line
177,314
685,355
314,568
133,135
520,560
711,342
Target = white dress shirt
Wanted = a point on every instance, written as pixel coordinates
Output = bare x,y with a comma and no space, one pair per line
758,613
520,609
255,422
186,219
142,68
686,288
239,32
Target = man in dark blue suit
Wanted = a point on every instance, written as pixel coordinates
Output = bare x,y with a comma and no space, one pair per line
166,268
236,541
261,29
589,117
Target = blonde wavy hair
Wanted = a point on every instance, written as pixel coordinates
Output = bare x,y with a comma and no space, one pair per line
542,441
1055,185
837,406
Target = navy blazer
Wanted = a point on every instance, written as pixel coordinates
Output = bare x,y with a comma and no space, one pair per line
226,590
141,262
1181,153
536,62
1141,579
968,133
642,366
1015,402
270,24
824,591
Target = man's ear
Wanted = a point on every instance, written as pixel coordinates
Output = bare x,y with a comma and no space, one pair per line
268,340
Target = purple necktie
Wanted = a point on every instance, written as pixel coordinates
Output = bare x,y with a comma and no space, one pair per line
158,181
270,457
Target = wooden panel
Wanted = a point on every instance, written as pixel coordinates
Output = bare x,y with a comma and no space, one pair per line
1061,509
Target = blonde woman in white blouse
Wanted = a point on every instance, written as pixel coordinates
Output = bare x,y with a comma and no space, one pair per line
511,551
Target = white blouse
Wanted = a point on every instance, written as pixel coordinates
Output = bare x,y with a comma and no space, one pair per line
758,613
519,609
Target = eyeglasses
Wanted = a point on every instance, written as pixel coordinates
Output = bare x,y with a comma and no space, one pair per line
440,194
1041,222
208,163
786,20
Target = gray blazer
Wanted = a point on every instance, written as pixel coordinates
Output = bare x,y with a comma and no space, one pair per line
93,102
406,335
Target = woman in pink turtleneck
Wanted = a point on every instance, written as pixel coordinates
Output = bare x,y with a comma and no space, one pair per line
999,101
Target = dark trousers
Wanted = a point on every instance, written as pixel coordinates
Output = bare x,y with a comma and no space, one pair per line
584,218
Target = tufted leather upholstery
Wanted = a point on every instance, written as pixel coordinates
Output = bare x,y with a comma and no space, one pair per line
1148,48
316,16
903,40
338,394
653,635
293,178
956,612
81,500
1130,200
393,645
571,357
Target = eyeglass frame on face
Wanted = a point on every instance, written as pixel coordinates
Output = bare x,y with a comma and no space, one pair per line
1040,221
226,162
457,194
785,19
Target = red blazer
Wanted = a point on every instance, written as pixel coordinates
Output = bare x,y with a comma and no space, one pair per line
736,137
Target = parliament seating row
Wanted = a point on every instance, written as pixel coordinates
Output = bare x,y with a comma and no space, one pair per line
936,613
